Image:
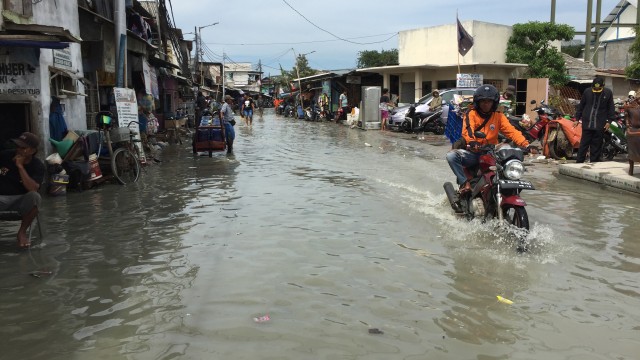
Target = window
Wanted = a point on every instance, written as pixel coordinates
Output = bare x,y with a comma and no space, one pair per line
62,84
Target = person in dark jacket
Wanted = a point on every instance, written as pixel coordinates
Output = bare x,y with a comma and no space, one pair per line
595,110
21,174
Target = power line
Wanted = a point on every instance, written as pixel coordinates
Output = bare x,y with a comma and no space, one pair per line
328,32
313,41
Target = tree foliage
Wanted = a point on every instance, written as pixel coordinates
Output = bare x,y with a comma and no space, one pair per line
530,44
301,68
373,58
633,70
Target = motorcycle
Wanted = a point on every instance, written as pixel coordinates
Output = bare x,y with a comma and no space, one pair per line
423,122
534,131
312,113
288,111
615,141
496,185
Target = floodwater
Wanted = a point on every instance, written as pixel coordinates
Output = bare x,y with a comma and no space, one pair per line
331,239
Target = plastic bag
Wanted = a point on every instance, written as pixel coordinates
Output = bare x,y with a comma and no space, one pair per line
54,159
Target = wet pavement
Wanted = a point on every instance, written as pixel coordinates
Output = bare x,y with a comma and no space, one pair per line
316,241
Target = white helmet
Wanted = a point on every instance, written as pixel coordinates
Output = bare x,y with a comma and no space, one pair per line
632,94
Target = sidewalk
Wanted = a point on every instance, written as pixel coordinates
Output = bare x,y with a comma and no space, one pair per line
610,173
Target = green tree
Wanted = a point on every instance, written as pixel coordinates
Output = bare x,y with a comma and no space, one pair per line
633,70
373,58
303,68
530,44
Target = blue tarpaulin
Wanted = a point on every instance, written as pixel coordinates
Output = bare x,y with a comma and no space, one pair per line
453,129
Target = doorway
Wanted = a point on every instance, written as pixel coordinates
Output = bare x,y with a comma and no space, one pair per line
15,121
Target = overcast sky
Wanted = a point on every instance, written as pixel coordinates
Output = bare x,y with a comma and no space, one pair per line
268,30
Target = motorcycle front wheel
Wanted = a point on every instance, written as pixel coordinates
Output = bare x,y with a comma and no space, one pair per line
517,216
406,126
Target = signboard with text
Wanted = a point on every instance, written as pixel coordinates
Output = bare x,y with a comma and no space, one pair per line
62,58
19,73
127,110
469,80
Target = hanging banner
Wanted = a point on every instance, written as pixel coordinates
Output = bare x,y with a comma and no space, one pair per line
146,71
127,110
150,80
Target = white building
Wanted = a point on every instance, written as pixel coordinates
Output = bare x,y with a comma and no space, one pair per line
429,58
40,57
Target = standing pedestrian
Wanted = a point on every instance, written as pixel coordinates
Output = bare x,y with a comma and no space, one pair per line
226,116
344,105
596,110
21,174
260,104
201,105
385,103
248,107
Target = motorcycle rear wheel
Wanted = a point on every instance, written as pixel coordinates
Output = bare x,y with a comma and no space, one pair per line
517,216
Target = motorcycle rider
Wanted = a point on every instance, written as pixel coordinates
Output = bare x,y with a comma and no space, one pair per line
483,117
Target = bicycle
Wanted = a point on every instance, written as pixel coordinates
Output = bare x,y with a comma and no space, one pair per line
125,163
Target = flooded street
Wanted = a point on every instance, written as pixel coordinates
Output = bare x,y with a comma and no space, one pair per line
331,239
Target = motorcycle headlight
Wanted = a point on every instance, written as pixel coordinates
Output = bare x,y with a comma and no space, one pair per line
513,169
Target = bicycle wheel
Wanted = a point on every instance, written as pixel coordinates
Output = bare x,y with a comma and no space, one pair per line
125,167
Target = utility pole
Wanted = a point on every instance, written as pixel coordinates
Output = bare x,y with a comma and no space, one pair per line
224,76
587,37
195,57
260,75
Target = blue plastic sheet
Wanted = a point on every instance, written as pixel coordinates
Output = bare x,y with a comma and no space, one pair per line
453,129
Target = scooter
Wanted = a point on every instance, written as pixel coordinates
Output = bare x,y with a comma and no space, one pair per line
422,122
496,186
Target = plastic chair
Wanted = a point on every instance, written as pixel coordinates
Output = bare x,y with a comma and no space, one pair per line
15,216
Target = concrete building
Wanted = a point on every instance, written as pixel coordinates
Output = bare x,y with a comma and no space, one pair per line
40,58
429,59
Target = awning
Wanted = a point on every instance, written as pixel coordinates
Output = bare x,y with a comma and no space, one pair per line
182,79
162,63
34,43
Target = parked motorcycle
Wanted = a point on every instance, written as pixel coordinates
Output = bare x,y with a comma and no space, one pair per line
535,131
423,122
312,113
289,111
615,141
496,185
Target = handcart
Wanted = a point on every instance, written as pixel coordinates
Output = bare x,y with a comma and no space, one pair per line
210,136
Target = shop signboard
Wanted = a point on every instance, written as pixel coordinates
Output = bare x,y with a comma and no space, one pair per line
19,73
469,80
127,110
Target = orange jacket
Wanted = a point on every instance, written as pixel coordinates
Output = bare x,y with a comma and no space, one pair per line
497,123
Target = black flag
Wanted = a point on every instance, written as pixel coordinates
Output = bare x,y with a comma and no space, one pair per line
465,41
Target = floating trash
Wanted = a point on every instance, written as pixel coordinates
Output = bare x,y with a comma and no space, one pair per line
376,331
261,319
504,300
367,144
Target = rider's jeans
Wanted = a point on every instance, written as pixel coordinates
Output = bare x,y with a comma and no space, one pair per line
460,159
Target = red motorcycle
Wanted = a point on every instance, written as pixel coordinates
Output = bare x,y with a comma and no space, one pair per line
496,185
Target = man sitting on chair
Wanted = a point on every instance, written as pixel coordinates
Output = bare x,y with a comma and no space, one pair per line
21,174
